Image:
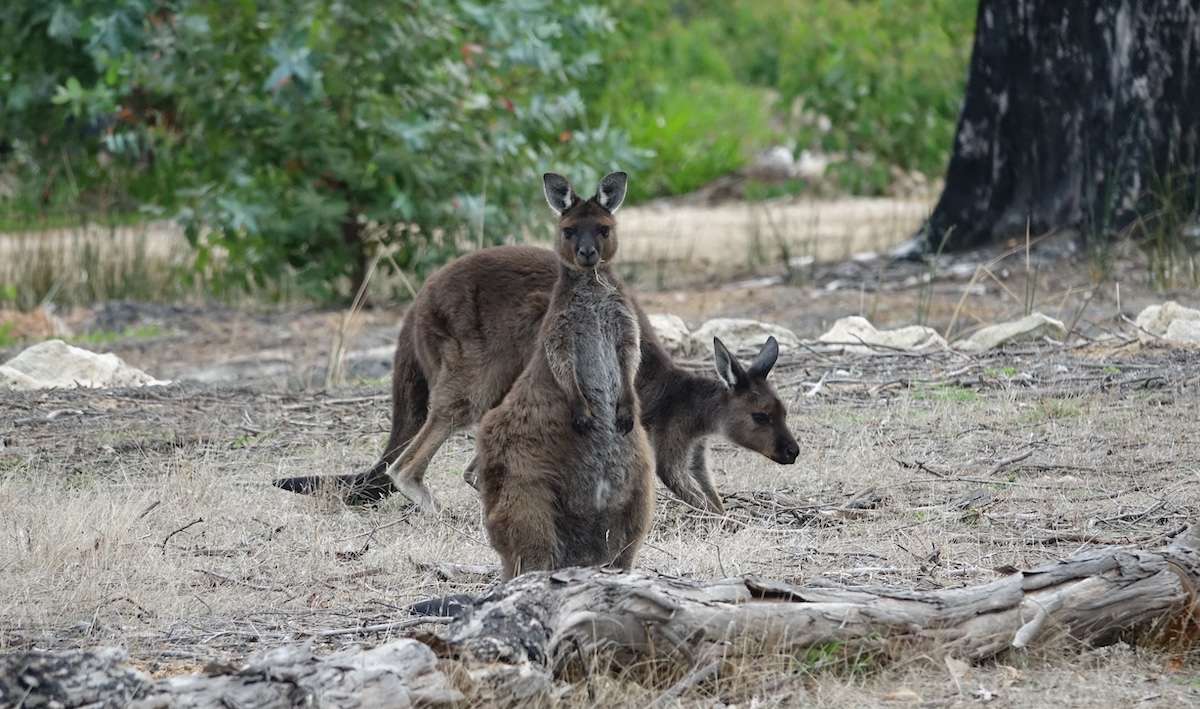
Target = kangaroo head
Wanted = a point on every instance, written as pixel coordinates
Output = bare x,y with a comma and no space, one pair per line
587,230
753,415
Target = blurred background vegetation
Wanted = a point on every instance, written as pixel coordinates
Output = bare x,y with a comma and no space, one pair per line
307,142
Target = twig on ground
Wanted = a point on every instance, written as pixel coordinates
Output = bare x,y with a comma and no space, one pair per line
693,678
150,508
193,523
236,582
380,627
1002,464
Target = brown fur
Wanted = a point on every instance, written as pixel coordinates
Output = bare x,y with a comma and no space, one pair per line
565,465
470,332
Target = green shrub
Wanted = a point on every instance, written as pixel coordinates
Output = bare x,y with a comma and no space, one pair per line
878,81
889,75
280,129
688,128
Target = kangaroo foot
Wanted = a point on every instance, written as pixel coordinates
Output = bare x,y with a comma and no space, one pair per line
419,494
471,474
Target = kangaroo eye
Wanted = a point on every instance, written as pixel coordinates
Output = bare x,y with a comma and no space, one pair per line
602,231
569,233
761,419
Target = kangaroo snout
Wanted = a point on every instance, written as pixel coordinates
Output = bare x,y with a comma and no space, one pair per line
786,452
587,256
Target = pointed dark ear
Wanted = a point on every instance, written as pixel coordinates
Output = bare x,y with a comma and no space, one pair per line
559,194
729,369
611,192
762,364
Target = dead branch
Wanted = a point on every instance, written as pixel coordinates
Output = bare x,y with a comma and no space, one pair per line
1094,597
515,640
401,673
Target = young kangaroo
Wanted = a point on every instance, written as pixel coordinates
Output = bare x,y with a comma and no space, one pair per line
471,330
565,466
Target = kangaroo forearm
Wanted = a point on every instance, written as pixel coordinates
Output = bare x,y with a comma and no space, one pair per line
629,355
562,367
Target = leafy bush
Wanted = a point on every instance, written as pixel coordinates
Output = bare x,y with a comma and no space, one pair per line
281,129
688,129
888,75
883,79
282,132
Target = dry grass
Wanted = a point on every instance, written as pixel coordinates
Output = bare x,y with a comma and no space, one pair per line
144,519
94,263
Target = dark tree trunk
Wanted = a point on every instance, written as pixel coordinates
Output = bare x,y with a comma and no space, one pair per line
352,239
1077,115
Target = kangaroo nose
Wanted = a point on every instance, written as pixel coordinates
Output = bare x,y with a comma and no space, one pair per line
790,452
588,255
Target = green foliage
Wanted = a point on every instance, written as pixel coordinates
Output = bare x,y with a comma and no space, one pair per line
888,75
945,392
688,129
301,141
880,82
279,129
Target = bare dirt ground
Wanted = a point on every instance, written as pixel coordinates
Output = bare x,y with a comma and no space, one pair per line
145,518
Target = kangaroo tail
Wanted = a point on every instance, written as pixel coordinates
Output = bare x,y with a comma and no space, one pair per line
452,606
410,401
365,488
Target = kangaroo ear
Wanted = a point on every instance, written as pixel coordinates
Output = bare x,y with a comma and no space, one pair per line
762,364
559,194
728,368
611,192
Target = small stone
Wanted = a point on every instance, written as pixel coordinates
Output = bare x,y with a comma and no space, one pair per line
1169,323
741,336
1031,327
856,334
672,332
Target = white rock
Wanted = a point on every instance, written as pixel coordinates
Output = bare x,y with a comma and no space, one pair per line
672,332
1184,332
741,336
56,365
1034,326
1170,322
855,329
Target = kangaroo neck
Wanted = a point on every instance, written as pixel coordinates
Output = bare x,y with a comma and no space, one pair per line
709,399
572,278
696,403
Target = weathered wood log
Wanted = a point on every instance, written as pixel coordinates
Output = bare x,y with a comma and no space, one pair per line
1077,115
402,673
551,619
517,640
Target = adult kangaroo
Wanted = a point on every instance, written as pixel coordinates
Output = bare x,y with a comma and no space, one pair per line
565,466
471,330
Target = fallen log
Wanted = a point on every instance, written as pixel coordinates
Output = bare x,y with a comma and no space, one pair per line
588,614
401,673
513,643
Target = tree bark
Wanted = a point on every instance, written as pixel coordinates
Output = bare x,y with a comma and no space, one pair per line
1078,115
514,642
402,673
352,239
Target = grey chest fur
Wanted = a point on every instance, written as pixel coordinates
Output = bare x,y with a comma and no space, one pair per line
597,316
603,467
